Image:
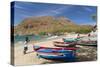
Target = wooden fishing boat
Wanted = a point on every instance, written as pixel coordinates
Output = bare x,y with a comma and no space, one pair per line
53,49
87,43
65,54
64,57
64,44
70,39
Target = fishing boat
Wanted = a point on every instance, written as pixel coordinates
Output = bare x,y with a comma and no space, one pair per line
87,43
71,39
36,48
64,44
65,54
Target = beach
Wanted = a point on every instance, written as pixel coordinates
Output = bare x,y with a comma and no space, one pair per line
31,58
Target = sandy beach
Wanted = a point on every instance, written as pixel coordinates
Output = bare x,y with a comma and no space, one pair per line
31,58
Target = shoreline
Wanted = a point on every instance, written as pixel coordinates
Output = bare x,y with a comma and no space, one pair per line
31,58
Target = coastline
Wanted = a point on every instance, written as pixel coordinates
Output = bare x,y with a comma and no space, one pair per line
31,58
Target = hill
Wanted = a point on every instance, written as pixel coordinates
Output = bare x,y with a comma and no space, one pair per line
48,24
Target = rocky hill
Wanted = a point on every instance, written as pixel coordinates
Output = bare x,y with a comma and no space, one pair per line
49,24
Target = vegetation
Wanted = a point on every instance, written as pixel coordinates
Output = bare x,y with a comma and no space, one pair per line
47,24
42,33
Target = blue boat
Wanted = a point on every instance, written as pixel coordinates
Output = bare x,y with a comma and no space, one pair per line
64,54
63,57
55,51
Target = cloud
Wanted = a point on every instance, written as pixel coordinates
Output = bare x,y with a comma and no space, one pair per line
18,7
52,12
88,9
26,12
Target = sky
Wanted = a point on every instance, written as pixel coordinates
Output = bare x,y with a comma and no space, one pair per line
76,13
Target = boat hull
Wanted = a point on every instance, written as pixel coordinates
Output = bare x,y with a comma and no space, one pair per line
63,57
87,43
65,44
84,44
36,48
55,51
57,54
71,40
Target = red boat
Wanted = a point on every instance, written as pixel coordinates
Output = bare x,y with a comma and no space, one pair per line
64,44
65,54
46,48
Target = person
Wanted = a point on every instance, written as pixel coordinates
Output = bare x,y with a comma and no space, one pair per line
26,45
89,35
78,35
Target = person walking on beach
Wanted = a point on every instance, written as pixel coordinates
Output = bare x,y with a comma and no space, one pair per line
89,35
26,45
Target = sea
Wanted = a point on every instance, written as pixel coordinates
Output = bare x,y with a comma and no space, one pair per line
21,38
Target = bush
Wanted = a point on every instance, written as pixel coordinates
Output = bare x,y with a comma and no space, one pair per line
42,33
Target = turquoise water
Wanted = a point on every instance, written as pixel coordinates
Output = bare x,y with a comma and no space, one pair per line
31,37
21,38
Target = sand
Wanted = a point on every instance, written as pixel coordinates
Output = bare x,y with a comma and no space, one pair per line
31,58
